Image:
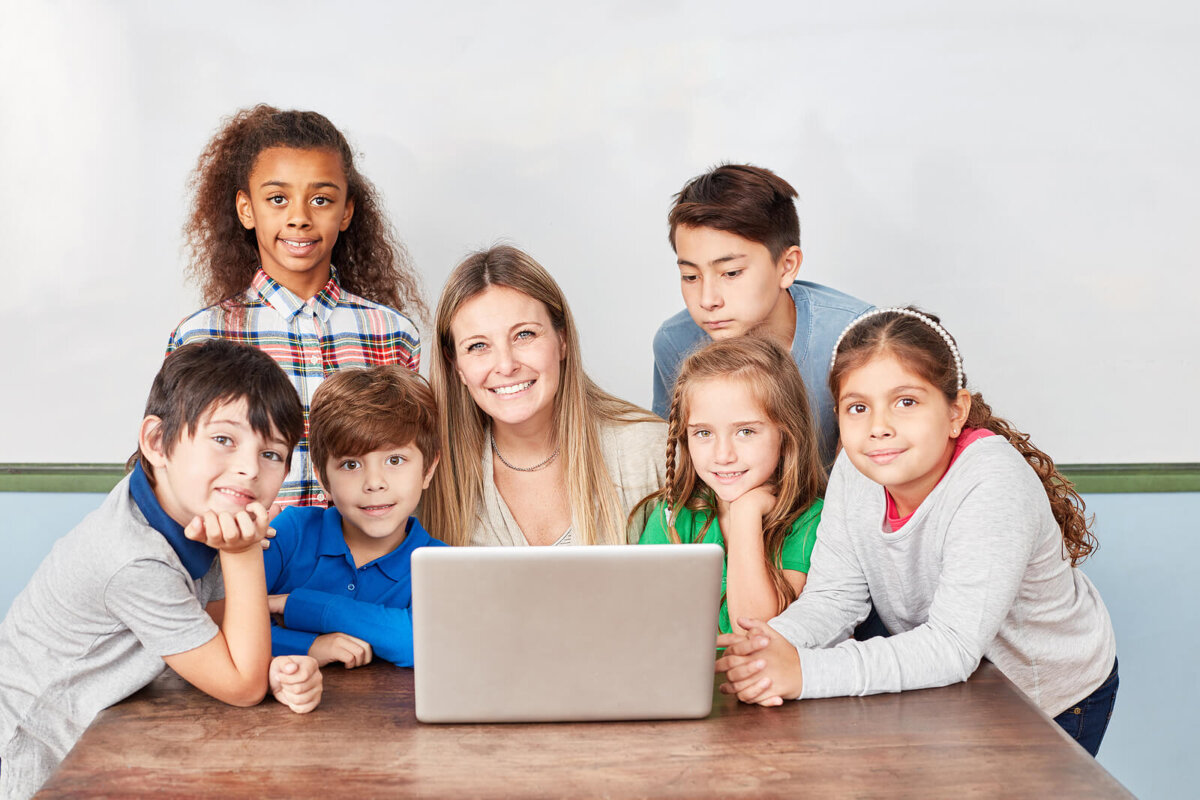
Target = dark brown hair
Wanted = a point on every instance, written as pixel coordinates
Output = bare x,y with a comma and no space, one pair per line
923,350
772,376
370,260
748,201
358,411
198,376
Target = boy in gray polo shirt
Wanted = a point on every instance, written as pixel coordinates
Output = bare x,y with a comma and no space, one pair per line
138,585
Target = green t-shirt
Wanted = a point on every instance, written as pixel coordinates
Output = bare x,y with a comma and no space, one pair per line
797,547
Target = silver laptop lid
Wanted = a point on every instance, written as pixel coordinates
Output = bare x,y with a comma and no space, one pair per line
520,634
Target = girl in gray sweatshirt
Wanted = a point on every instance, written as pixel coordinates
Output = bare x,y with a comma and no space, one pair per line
963,534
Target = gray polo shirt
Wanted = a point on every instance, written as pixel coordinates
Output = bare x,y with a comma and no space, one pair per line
91,628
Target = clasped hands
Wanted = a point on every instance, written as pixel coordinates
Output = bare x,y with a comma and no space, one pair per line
760,666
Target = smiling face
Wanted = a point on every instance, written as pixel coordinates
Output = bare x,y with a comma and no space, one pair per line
297,205
734,447
732,285
898,429
377,492
221,465
509,356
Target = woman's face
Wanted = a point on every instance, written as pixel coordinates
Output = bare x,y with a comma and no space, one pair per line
508,355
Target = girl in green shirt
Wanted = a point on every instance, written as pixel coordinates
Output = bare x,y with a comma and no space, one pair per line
743,471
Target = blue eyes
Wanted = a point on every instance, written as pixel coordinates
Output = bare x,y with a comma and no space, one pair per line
525,335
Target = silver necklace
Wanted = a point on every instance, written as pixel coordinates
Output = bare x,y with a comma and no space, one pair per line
504,460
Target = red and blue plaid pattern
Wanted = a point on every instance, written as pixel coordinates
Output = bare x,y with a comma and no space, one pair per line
309,339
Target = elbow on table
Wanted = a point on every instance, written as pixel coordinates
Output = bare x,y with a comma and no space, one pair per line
251,693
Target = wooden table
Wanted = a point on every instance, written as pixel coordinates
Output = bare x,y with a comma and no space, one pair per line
982,737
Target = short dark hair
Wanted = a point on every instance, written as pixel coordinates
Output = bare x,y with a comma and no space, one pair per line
749,201
200,375
358,411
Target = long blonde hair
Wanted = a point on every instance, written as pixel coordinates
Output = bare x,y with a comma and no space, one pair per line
450,507
799,479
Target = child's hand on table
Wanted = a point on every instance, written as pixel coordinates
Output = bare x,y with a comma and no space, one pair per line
296,681
760,667
350,650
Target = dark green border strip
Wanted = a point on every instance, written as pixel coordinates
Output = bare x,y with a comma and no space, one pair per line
1088,478
1132,478
60,477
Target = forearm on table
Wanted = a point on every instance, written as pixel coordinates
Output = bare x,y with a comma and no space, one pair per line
387,629
245,624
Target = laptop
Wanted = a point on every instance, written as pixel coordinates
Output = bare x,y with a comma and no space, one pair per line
548,634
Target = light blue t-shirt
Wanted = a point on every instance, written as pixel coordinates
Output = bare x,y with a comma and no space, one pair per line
821,315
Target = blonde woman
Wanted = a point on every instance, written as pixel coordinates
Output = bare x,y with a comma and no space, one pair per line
533,452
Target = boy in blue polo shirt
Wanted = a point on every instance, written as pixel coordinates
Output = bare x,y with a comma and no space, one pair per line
736,236
339,578
138,585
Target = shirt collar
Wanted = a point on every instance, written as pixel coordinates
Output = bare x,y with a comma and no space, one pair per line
288,304
395,564
196,557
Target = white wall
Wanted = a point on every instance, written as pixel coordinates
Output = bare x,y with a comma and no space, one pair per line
1028,170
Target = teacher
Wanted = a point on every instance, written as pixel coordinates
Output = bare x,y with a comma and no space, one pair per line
533,452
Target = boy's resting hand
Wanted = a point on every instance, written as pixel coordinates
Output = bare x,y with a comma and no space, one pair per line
350,650
761,667
231,533
276,603
296,681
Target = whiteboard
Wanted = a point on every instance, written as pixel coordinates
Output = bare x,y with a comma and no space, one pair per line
1027,170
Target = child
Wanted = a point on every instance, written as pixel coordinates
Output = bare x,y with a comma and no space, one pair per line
963,534
290,244
751,478
737,238
138,583
339,577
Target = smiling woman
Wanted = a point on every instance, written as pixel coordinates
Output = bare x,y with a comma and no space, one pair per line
533,451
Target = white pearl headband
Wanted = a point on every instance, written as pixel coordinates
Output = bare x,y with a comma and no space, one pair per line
908,312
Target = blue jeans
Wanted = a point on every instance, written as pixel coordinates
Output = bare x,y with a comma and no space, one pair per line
1087,720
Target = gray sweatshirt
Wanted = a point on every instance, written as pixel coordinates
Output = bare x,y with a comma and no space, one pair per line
978,571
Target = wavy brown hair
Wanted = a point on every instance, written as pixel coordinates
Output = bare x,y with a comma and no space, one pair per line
749,201
799,478
358,411
370,259
922,349
450,507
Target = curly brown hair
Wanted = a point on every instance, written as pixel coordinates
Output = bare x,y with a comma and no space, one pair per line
923,350
371,261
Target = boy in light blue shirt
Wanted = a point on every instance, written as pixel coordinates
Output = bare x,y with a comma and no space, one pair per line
736,236
339,578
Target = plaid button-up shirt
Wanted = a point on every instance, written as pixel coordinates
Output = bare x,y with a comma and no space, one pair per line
309,339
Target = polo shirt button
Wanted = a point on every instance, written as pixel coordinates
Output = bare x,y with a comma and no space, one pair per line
315,360
321,496
351,587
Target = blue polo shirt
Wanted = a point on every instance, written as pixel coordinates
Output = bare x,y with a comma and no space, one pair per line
308,560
